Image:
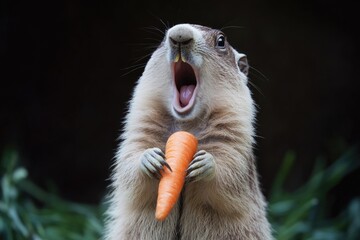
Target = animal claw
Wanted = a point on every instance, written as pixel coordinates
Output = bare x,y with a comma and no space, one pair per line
153,162
201,167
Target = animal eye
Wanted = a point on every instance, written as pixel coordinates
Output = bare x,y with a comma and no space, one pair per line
220,41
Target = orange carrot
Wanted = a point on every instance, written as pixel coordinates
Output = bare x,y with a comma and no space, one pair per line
179,151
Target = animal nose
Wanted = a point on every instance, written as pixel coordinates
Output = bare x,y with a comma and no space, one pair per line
180,34
179,39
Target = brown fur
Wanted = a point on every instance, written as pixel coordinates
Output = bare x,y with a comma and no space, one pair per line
229,206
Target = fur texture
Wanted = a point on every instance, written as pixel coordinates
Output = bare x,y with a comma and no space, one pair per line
228,206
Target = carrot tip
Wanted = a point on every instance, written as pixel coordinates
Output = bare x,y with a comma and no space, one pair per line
160,218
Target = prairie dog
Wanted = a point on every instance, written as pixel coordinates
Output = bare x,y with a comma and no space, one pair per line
195,81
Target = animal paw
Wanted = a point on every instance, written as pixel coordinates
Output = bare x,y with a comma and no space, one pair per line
202,167
152,162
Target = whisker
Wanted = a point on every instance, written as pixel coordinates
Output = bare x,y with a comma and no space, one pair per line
260,73
231,27
157,30
153,39
166,25
136,67
143,57
255,87
140,44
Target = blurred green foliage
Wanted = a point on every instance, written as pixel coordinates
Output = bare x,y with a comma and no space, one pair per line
28,212
304,213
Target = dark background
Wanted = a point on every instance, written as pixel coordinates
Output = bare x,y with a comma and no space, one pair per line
68,69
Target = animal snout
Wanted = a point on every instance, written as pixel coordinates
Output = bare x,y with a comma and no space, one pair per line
180,35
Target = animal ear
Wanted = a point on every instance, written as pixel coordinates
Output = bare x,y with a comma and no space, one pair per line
243,64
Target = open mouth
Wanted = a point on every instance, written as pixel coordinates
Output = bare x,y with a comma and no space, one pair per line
185,86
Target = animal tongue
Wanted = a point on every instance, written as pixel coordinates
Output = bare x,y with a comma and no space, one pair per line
186,93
